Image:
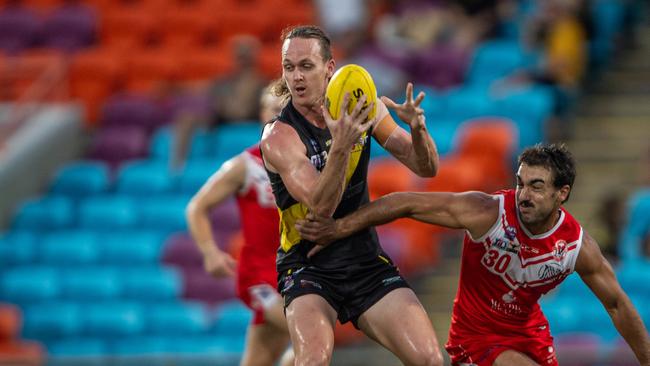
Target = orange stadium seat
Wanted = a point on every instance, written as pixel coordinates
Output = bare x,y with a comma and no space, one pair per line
270,59
151,69
188,27
387,176
42,5
21,353
203,64
493,142
457,174
34,74
125,29
94,75
233,21
10,322
282,17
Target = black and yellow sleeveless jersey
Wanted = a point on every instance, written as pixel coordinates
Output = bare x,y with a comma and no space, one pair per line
293,250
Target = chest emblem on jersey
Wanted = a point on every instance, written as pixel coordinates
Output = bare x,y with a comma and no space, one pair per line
560,250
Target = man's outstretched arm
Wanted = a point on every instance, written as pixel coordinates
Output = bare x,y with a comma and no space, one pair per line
598,274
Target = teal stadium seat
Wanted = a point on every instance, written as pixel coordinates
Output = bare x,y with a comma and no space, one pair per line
160,147
637,227
46,213
132,247
83,178
73,247
177,319
530,108
231,139
144,177
30,284
164,213
493,60
151,284
106,213
17,248
196,173
231,317
52,320
80,347
113,319
468,102
634,276
91,284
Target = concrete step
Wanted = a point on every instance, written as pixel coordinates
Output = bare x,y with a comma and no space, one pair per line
611,127
605,104
616,150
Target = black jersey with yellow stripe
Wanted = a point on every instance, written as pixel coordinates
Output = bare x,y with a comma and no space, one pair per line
293,249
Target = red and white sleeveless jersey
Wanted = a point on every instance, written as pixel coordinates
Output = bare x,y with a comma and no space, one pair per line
504,273
259,215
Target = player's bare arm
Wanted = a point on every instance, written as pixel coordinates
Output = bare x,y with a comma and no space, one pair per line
416,150
476,212
285,154
598,274
221,185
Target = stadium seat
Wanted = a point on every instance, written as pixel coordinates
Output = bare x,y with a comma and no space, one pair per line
127,30
231,317
176,319
188,28
196,173
28,284
180,251
579,348
10,322
17,248
633,276
637,227
201,286
75,247
81,178
164,213
230,140
204,64
133,109
112,319
141,346
163,139
18,352
90,351
131,247
530,108
389,175
465,103
493,60
90,284
151,283
52,320
144,177
115,144
456,174
70,27
152,70
104,213
45,213
19,29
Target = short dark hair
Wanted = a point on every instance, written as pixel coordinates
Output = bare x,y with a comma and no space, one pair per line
310,31
555,157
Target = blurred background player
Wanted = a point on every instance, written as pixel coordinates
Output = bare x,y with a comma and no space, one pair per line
245,177
519,244
320,165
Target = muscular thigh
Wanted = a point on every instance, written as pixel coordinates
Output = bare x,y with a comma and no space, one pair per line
311,320
513,358
398,321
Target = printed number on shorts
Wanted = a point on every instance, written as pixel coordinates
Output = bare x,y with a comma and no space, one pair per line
496,261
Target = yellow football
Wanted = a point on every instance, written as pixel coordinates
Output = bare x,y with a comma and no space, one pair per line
355,80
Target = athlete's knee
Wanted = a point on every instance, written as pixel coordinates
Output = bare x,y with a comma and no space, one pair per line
317,358
426,357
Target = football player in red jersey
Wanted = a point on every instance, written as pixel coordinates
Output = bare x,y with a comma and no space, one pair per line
519,244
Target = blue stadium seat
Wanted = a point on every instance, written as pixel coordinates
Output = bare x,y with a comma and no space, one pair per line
29,284
573,287
80,347
52,320
634,276
17,248
112,319
83,178
468,102
530,108
70,247
231,317
105,213
493,60
144,177
164,213
132,247
638,226
176,319
196,173
231,139
151,283
608,17
91,283
223,346
46,213
163,140
141,345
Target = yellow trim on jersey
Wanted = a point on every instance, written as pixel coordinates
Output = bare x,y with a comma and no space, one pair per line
289,236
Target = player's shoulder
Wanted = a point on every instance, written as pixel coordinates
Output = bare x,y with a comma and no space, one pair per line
278,133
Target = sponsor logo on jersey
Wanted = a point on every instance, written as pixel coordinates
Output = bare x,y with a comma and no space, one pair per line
549,270
319,160
511,232
507,245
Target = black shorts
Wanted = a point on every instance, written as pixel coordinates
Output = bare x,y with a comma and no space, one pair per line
350,290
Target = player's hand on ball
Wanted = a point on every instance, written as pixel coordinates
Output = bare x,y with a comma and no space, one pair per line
219,264
409,111
347,129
